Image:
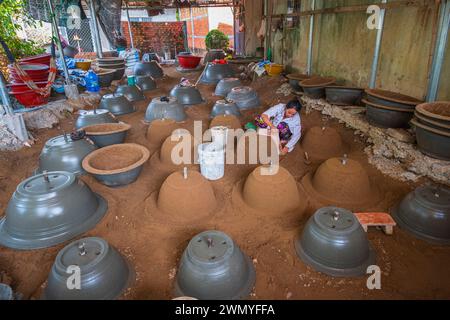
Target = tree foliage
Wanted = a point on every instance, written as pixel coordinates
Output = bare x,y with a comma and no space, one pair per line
12,11
216,39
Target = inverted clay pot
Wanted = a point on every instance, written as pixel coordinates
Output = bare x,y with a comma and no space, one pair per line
387,117
315,87
225,107
244,97
106,134
188,95
145,83
48,209
270,192
90,117
225,85
117,104
105,77
295,78
62,153
333,242
341,182
165,108
152,69
343,96
425,213
215,72
225,120
322,143
159,130
186,198
431,141
118,164
434,114
391,99
132,93
104,272
214,54
214,268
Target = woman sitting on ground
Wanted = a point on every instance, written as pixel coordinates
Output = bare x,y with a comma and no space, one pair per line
286,119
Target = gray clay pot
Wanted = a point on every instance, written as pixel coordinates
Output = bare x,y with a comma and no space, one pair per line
244,97
225,107
152,69
391,99
216,72
145,83
90,117
225,85
106,134
387,117
117,104
431,141
343,96
165,108
132,93
187,95
105,77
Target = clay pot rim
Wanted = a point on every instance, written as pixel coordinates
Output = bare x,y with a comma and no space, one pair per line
379,106
121,127
434,122
421,108
87,166
401,98
326,81
430,129
345,88
299,76
103,72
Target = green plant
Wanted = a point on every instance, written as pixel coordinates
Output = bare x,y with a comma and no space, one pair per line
13,17
216,39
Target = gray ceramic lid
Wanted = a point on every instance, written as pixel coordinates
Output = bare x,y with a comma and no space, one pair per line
215,72
210,248
145,83
151,68
89,117
225,85
165,108
61,153
333,242
244,97
132,93
48,209
225,107
104,272
116,103
188,95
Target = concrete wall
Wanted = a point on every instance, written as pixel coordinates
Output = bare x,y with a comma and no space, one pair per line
343,46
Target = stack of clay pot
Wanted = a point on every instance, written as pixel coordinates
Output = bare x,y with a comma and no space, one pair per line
116,64
432,124
388,109
295,79
322,143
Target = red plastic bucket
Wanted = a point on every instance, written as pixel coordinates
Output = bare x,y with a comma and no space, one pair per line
189,62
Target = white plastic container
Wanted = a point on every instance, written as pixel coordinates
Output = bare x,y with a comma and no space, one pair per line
212,160
219,136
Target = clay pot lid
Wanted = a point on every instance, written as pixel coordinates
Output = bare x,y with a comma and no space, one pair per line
299,76
336,220
178,181
226,120
210,248
106,128
439,110
317,82
433,197
393,96
46,183
133,155
379,106
264,175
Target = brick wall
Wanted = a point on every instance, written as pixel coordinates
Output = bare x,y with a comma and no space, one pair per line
199,27
155,36
228,30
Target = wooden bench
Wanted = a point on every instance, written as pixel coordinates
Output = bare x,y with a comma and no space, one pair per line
377,219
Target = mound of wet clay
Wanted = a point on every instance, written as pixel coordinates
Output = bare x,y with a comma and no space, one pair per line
269,190
186,198
256,148
175,143
159,130
322,143
226,120
340,182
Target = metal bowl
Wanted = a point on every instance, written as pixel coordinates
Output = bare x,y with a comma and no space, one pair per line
106,134
117,104
244,97
118,164
104,272
214,54
431,141
152,69
391,99
145,83
90,117
225,85
333,242
187,95
214,268
132,93
213,73
315,87
225,107
61,153
343,96
165,108
48,209
387,117
425,213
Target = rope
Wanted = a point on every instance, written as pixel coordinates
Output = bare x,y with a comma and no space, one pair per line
45,91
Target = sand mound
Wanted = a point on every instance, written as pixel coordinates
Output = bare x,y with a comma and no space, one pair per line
254,148
106,128
322,143
340,182
186,199
225,120
159,130
276,193
180,137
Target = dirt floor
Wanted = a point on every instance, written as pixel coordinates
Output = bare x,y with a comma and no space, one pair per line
411,268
